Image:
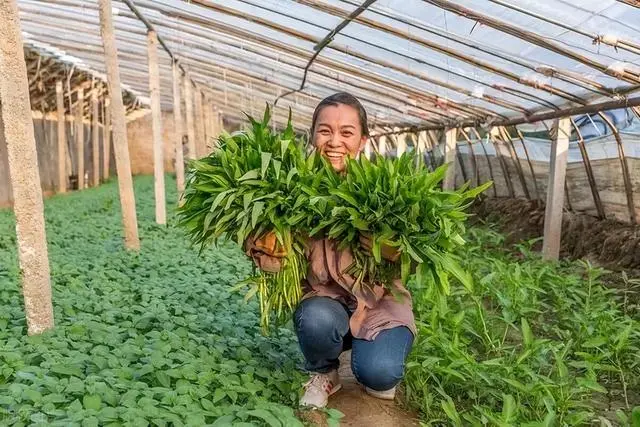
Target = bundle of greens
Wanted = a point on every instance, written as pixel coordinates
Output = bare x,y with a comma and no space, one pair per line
398,203
257,182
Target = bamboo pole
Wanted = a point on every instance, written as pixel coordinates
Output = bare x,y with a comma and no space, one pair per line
533,173
95,139
179,130
449,182
22,158
555,191
516,161
486,156
382,146
106,139
589,171
80,138
62,140
626,177
156,119
367,149
505,171
120,146
191,126
474,160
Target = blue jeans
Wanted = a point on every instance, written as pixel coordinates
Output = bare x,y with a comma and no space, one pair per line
322,326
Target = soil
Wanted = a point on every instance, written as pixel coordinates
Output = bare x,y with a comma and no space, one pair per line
360,409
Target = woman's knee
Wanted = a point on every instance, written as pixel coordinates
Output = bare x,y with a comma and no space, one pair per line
379,374
321,318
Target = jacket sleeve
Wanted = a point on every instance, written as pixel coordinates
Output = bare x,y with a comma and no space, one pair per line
266,260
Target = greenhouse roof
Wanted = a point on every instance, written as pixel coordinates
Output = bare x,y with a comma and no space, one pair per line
412,62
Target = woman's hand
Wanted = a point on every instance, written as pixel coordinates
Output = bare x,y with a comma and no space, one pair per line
388,252
266,252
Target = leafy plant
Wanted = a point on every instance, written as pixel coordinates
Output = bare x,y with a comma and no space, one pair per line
151,338
257,182
400,204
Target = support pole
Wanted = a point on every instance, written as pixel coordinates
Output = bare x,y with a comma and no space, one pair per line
401,144
516,161
191,126
449,182
367,149
382,146
120,146
24,174
80,138
533,173
62,140
626,177
95,140
156,118
555,191
179,130
486,156
106,139
589,171
493,134
200,136
474,160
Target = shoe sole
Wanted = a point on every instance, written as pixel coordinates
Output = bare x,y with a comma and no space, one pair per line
380,396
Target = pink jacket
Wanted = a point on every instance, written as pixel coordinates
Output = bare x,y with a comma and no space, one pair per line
376,309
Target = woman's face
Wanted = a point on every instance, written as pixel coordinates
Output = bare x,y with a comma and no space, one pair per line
338,134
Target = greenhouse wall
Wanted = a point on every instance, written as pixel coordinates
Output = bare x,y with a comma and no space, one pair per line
602,152
140,137
45,132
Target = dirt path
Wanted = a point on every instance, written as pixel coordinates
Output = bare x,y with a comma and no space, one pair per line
360,409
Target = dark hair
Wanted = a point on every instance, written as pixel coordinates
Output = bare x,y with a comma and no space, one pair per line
343,98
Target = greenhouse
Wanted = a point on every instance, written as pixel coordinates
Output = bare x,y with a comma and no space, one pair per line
319,213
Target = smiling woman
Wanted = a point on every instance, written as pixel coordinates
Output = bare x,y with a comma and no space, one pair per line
339,128
334,315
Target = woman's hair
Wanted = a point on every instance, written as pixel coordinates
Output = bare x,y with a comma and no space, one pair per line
343,98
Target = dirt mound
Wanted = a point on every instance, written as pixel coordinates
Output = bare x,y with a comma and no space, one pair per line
609,243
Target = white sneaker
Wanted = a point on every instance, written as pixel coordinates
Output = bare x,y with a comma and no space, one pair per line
318,389
384,394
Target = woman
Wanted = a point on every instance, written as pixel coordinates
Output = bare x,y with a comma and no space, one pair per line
332,317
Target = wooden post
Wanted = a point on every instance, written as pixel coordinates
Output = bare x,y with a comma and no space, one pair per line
401,144
106,139
62,140
80,138
191,127
555,191
382,146
449,182
367,149
207,112
24,173
156,118
179,129
120,146
200,136
95,140
474,160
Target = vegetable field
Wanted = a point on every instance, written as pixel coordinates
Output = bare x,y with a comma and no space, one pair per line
153,338
157,338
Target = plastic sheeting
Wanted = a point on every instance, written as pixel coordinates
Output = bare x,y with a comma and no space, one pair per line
401,79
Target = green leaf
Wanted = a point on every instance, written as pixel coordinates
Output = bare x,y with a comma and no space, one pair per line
92,401
258,208
266,158
252,174
527,335
266,416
